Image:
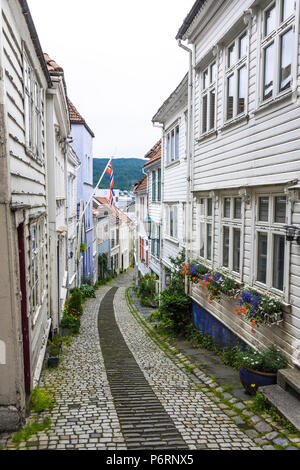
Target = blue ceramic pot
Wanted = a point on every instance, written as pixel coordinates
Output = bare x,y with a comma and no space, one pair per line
252,379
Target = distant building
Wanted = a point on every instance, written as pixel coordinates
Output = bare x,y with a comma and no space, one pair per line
83,145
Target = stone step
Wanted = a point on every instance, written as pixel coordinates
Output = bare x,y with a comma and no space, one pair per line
286,404
289,379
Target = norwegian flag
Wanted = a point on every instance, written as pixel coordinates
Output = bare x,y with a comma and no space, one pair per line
110,171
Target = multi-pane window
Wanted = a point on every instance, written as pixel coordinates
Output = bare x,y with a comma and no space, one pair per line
277,47
33,110
208,98
153,186
155,240
231,233
173,144
38,263
236,77
172,220
206,228
270,240
156,185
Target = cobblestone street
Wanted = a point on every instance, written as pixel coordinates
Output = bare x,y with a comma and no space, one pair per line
125,392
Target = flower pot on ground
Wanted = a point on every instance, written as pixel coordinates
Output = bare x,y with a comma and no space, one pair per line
252,379
259,368
54,351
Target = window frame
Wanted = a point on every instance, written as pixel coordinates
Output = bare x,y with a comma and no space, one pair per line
206,93
271,228
274,37
232,223
233,71
169,209
206,220
173,150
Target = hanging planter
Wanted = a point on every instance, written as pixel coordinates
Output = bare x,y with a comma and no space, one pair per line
259,309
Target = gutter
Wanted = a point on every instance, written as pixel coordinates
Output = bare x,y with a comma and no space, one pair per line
35,40
190,18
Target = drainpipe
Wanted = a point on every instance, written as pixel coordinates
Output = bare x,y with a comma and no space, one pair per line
66,142
189,211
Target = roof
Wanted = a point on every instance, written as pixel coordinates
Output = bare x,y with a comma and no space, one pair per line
179,93
190,18
154,154
115,211
52,65
141,185
76,118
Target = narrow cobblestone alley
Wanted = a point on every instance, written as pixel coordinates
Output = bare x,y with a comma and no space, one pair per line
123,392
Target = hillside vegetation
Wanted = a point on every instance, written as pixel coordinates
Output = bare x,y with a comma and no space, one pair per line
127,171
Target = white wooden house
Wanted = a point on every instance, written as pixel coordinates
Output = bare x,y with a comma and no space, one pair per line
153,171
141,242
172,115
246,166
24,319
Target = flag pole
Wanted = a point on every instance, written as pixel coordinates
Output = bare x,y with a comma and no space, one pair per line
95,189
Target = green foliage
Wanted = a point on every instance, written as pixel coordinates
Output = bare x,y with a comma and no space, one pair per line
146,290
41,400
32,428
127,171
197,338
103,282
82,247
174,304
269,360
87,291
260,403
102,266
73,311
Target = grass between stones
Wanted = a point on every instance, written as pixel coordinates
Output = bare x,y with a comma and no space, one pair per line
211,387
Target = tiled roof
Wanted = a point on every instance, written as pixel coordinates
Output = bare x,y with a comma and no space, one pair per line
76,118
141,185
52,65
116,212
154,154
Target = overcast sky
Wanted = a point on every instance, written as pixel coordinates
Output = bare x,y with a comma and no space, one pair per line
121,61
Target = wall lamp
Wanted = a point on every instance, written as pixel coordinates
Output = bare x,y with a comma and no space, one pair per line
147,224
291,231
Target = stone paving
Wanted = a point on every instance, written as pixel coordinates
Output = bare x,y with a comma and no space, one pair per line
128,392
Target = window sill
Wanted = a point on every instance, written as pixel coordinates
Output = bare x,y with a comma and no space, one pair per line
171,164
290,96
33,156
171,239
237,120
207,135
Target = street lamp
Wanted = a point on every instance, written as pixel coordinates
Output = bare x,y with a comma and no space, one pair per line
290,231
148,224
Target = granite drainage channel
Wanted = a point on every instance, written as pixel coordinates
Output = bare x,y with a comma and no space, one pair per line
144,422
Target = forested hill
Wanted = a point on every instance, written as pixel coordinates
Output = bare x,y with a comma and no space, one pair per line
127,171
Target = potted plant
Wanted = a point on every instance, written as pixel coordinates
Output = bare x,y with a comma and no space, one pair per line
54,350
259,368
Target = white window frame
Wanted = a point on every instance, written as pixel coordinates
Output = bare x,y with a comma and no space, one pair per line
169,209
38,259
33,105
271,228
275,37
205,220
232,223
206,93
233,71
172,154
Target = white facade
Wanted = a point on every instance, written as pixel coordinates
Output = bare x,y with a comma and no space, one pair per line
25,315
173,117
246,157
141,242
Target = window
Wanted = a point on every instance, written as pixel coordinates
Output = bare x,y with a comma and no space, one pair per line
231,233
153,186
270,240
172,221
173,145
277,47
236,77
33,111
159,184
208,98
206,228
38,262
